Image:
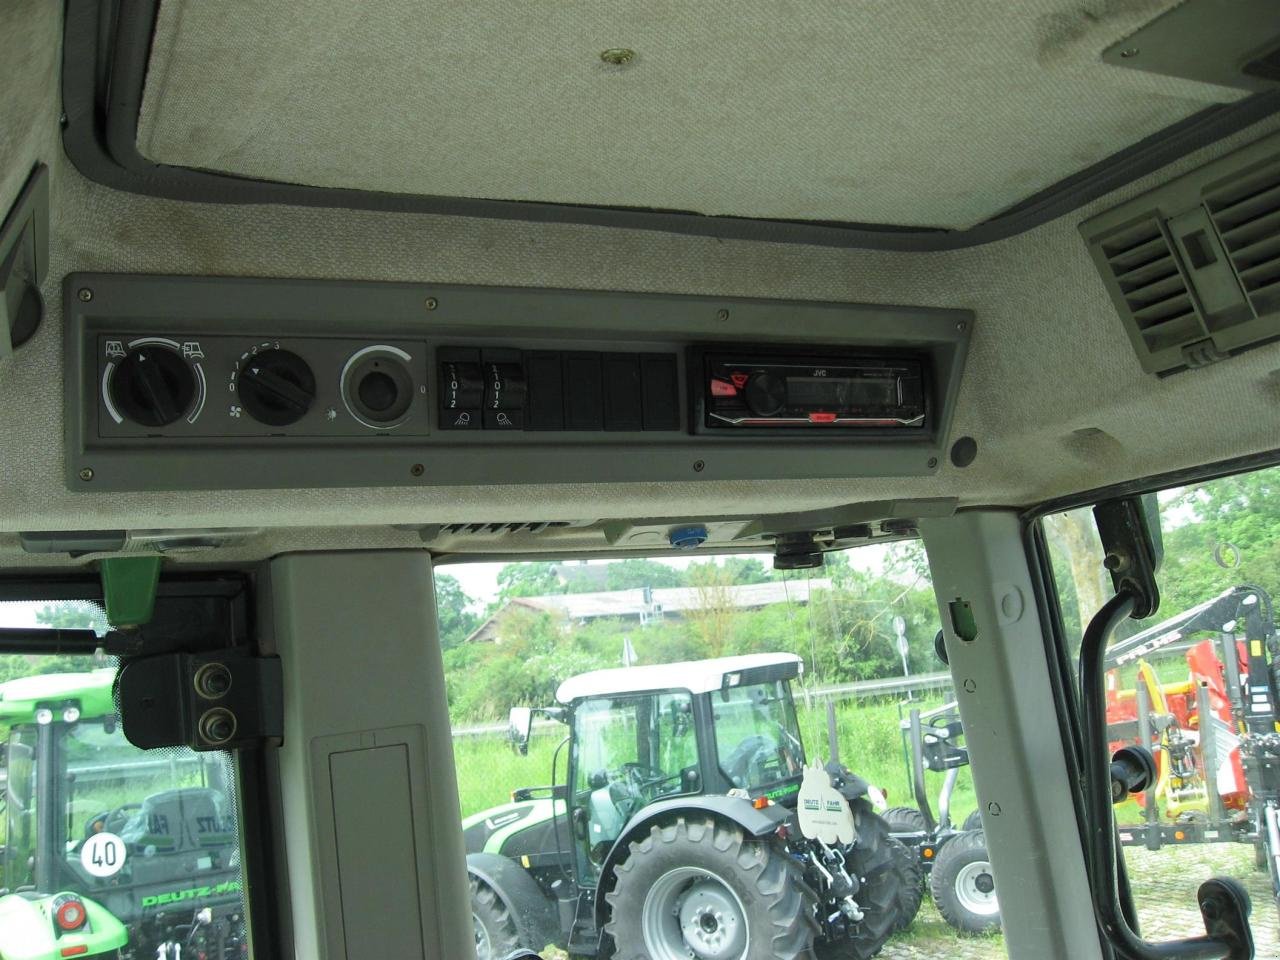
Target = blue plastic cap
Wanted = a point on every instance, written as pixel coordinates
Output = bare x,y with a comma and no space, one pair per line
688,538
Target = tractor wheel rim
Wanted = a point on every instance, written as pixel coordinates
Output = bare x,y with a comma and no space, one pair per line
483,950
976,888
690,913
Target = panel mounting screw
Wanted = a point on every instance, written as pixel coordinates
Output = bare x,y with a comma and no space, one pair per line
933,462
617,56
722,315
417,470
961,326
1128,52
86,474
431,303
85,294
698,466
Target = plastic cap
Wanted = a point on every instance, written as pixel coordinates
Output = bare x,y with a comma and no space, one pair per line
688,538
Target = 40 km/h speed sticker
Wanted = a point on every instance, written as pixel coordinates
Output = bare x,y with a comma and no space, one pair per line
103,855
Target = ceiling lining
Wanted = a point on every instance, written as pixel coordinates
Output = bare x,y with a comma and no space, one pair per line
1038,302
389,97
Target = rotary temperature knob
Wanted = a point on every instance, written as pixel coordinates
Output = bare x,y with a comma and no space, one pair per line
765,394
276,387
153,386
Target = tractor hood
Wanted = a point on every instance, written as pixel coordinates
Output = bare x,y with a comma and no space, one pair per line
489,830
27,930
91,692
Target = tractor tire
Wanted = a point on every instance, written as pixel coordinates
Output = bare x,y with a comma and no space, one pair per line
904,820
973,821
872,860
496,934
698,888
910,883
963,884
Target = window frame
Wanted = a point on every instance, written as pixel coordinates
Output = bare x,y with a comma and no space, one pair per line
177,595
1062,672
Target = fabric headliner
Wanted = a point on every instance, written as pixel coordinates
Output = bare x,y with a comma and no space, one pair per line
912,112
1053,393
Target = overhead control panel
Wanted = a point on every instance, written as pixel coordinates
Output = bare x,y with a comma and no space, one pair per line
212,383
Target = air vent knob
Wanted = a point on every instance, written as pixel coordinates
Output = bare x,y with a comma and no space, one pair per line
765,394
276,387
153,386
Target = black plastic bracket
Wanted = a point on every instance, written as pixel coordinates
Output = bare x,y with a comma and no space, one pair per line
1225,907
1132,549
24,259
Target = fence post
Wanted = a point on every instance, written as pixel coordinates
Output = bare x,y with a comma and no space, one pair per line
833,742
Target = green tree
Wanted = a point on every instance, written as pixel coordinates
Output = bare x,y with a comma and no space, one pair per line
453,611
629,574
72,615
528,580
1237,516
746,570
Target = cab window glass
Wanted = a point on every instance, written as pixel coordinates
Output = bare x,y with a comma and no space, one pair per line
757,736
1197,683
104,847
859,632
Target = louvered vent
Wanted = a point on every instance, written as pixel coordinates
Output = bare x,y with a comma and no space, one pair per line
536,526
1247,216
1151,284
1194,266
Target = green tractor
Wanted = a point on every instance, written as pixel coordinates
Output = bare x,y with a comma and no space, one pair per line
109,851
688,826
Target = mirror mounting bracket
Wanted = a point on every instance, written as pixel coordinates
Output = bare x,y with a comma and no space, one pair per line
1130,538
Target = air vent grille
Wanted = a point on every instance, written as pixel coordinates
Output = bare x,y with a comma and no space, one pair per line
1193,266
1247,216
502,528
1151,284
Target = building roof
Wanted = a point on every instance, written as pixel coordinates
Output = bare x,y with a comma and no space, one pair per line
631,603
696,676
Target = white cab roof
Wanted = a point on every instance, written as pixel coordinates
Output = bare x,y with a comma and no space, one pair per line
696,676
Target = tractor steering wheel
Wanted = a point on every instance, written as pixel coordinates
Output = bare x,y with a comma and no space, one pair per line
109,821
644,777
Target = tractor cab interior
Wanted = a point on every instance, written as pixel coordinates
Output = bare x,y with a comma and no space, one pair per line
843,437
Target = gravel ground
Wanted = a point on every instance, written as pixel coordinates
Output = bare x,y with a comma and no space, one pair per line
1164,885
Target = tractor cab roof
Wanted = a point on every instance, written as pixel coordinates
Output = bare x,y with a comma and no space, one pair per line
696,676
20,698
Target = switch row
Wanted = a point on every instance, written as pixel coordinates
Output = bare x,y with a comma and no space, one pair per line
500,389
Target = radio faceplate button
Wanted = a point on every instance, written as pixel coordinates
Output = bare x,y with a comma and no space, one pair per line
765,394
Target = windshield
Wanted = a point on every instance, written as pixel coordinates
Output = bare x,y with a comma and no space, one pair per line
757,735
863,625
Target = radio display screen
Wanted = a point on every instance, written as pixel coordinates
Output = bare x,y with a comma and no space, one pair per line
842,391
